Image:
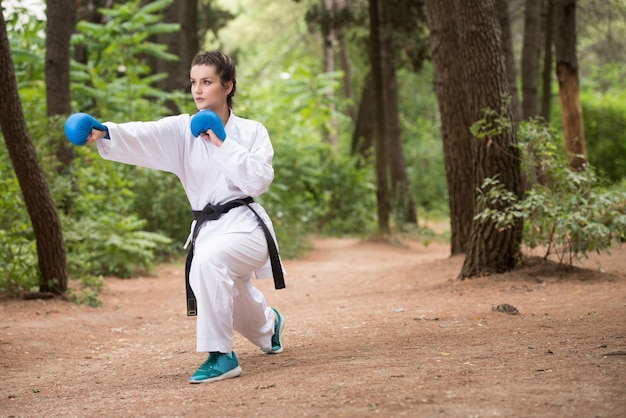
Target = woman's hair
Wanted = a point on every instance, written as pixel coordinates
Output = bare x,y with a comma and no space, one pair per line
224,68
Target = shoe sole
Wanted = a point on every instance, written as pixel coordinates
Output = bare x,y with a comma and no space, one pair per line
231,373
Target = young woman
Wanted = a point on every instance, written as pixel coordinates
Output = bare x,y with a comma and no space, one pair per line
223,162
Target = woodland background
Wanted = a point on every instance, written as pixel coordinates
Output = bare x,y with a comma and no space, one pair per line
353,94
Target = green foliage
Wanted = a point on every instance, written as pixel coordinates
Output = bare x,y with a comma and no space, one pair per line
568,214
18,256
161,201
27,51
605,131
112,244
87,293
422,146
115,81
603,101
104,236
316,188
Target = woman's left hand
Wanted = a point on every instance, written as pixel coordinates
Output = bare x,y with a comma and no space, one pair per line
210,136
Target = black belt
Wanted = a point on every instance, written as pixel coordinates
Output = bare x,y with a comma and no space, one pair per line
214,212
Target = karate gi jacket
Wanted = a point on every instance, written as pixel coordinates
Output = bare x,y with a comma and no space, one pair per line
241,167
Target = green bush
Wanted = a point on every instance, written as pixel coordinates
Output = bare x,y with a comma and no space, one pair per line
18,256
159,198
317,189
568,213
605,132
115,83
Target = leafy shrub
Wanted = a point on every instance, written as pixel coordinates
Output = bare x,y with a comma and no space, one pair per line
87,293
18,255
316,188
605,132
160,199
112,244
116,62
568,214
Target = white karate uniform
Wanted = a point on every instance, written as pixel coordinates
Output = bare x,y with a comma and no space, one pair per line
227,250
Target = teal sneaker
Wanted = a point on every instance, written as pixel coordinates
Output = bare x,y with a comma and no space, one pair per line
277,347
218,366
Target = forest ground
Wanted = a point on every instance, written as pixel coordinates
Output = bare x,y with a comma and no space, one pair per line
371,330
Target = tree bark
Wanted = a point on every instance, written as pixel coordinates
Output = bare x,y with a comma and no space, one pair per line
364,126
402,197
61,16
344,61
39,203
546,78
567,75
377,57
490,250
530,58
452,96
329,39
506,44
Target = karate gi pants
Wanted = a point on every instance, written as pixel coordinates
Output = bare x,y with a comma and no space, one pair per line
221,279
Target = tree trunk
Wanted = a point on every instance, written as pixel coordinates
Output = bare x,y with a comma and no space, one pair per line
506,44
490,250
329,39
345,67
530,58
364,126
184,43
41,209
452,96
567,75
61,16
546,78
402,197
377,57
190,44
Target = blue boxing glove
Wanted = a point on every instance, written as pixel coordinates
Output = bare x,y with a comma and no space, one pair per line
78,128
205,120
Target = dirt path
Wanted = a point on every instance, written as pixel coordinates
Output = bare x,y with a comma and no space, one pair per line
372,330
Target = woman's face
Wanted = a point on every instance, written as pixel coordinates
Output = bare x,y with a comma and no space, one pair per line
207,89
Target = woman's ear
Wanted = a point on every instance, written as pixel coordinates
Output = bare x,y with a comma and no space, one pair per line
228,87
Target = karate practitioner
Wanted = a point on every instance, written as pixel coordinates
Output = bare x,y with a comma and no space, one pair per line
219,158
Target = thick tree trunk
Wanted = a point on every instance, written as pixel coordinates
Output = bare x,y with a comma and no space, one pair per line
61,17
491,250
452,96
530,58
377,57
567,75
41,209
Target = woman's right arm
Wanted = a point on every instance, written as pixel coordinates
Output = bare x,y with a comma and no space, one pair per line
158,145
